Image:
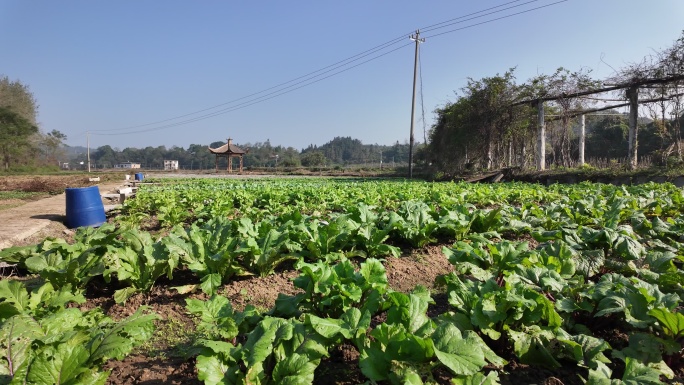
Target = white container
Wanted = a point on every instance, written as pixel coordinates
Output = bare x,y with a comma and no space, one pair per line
128,177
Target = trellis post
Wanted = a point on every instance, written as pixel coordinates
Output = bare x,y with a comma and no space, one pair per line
633,96
582,139
541,137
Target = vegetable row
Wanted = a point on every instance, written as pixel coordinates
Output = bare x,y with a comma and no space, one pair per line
592,255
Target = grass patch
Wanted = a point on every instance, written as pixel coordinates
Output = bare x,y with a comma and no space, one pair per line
172,338
7,206
23,195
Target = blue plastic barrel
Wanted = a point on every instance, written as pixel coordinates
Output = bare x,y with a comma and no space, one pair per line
139,176
84,207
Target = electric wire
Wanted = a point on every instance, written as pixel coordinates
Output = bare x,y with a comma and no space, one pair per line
249,103
309,75
319,75
465,18
496,19
305,78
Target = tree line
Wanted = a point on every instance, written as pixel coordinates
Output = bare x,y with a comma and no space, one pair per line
491,124
340,151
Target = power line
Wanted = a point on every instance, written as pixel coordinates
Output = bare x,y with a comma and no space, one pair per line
498,18
318,75
305,78
467,17
253,101
309,75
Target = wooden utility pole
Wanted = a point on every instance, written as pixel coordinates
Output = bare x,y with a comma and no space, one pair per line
633,96
418,40
541,137
582,139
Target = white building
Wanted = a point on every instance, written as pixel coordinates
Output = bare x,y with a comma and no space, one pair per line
170,165
127,165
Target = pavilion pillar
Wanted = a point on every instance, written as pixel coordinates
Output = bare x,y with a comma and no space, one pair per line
240,163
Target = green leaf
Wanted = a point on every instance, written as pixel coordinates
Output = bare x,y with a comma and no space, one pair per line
211,370
17,254
7,310
15,293
55,325
16,336
477,379
671,323
587,350
93,376
295,369
489,355
46,296
210,283
374,273
461,356
259,344
405,373
287,306
374,364
327,327
637,373
61,365
410,310
532,346
216,316
122,295
642,347
117,341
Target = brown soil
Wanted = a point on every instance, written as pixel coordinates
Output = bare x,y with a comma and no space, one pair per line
419,268
148,368
27,221
52,184
9,203
258,291
56,229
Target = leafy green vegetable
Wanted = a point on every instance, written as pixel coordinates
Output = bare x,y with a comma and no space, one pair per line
68,346
330,290
264,248
276,351
209,251
218,319
139,261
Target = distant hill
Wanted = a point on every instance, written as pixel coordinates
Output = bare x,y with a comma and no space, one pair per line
76,150
345,150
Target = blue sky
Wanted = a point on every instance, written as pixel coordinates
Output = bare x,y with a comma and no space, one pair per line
95,65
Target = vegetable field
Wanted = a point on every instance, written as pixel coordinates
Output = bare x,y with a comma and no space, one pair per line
565,284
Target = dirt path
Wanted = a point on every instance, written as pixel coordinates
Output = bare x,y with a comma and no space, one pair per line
32,222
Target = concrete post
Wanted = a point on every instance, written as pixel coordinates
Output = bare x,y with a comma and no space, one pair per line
541,137
633,96
582,139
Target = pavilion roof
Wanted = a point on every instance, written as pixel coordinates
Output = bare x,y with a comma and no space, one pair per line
228,148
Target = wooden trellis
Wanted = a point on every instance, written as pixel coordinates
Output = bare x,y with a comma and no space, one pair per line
632,101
